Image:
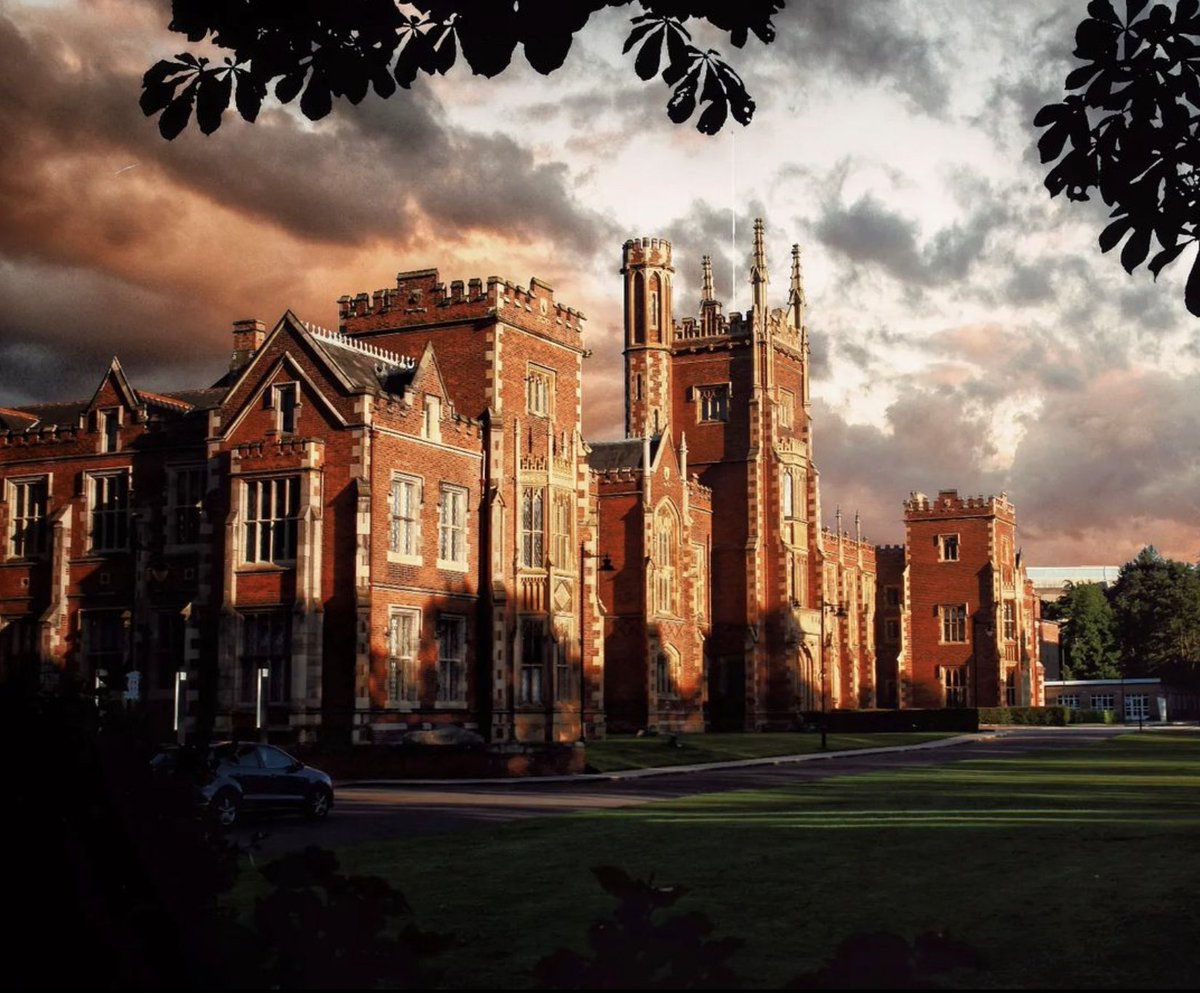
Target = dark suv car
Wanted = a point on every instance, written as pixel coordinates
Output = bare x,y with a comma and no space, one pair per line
233,778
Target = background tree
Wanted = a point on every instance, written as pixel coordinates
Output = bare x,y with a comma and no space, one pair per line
1156,602
317,50
1129,130
1089,633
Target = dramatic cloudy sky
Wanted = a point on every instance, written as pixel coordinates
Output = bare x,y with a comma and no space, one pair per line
966,330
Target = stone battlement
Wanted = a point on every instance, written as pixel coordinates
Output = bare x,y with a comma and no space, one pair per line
949,504
646,251
420,291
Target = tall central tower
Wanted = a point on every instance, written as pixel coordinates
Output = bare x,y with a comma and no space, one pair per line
646,266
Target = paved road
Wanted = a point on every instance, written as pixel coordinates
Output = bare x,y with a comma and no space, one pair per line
378,812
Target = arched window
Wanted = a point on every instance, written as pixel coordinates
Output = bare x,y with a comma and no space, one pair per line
666,556
654,317
668,667
532,529
639,308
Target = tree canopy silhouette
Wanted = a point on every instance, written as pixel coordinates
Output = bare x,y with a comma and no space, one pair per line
317,50
1129,130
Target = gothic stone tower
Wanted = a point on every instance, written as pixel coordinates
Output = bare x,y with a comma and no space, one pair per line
735,392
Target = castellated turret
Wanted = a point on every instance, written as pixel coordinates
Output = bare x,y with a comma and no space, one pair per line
646,266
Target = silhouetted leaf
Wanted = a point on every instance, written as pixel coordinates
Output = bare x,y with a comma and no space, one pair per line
650,54
1102,10
248,95
316,101
1136,248
682,104
175,117
1191,294
214,90
287,89
1112,234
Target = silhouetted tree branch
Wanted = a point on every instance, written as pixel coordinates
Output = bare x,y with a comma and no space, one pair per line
1130,130
317,50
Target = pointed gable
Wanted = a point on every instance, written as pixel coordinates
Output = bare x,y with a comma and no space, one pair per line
114,391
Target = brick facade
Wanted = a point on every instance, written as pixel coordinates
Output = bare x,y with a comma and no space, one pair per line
399,524
958,617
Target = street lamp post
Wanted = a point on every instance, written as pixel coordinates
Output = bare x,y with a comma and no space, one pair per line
605,566
839,611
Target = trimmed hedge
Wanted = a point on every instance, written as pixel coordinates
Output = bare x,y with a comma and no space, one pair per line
1045,716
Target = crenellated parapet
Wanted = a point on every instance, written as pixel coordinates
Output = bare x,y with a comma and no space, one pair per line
699,494
646,251
421,297
247,456
948,503
49,434
863,549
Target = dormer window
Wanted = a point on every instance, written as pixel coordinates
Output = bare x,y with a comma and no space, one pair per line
110,429
287,399
431,426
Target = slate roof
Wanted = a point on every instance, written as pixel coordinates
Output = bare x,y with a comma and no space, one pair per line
364,366
625,454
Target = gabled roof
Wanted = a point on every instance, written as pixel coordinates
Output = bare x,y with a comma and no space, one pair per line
198,399
624,454
121,382
363,366
12,419
58,414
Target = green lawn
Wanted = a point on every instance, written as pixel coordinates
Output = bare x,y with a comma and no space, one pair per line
687,749
1074,869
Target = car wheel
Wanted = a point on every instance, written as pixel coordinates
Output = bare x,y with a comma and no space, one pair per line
318,803
225,808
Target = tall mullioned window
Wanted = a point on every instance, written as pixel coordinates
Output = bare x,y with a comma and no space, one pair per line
403,675
954,685
666,554
27,518
452,658
533,660
272,519
110,512
539,388
948,547
561,531
954,623
404,517
266,644
1010,621
185,496
533,529
452,527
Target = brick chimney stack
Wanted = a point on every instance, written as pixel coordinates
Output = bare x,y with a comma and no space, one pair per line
248,336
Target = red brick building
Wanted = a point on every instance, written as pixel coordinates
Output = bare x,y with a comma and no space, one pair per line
958,617
731,394
399,525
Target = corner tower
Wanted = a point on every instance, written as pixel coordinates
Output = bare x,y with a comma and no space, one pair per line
646,266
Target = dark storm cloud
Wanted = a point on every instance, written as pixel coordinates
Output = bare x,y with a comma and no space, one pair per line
363,171
66,330
870,233
874,41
